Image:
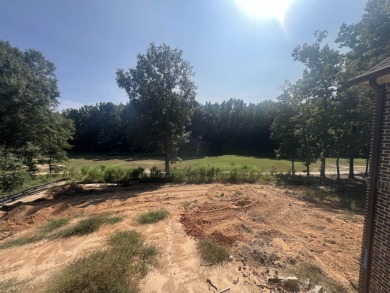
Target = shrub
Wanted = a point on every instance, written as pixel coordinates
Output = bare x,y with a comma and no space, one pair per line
156,172
113,174
12,175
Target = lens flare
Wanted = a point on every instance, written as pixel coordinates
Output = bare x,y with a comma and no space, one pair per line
265,9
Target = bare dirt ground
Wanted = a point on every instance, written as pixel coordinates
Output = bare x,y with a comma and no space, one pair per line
267,229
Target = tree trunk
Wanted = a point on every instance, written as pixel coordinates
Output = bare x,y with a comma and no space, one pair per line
50,165
322,168
351,172
166,165
308,169
366,173
292,167
338,169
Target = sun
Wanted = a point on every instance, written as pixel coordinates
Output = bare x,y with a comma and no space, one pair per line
265,9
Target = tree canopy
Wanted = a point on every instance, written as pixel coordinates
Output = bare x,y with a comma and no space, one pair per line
30,129
163,93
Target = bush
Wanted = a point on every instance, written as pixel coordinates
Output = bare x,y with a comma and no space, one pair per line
113,174
12,175
156,172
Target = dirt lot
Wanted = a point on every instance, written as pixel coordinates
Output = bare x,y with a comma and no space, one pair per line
267,229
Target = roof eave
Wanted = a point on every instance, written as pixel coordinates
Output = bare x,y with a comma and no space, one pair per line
365,78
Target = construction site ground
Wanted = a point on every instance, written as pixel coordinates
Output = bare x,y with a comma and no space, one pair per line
268,230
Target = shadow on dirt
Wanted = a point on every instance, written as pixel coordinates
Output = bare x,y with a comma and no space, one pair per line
332,195
84,195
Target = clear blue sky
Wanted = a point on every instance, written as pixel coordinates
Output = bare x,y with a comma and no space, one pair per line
234,54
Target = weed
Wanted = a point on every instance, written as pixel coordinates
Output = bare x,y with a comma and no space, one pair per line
317,277
88,226
53,225
21,241
212,253
117,269
11,285
247,228
152,216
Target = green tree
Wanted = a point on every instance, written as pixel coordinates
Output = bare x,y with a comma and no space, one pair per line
12,174
322,68
56,134
283,130
164,96
28,93
368,43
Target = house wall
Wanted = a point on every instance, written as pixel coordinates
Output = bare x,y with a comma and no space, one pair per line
379,274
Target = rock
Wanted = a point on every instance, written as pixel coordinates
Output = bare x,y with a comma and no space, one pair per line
274,280
318,289
235,282
292,282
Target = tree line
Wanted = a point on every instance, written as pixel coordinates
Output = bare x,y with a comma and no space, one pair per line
230,127
316,117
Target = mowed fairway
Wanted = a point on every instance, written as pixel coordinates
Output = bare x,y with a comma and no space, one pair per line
223,162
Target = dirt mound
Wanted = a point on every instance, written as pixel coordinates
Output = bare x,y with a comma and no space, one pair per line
67,190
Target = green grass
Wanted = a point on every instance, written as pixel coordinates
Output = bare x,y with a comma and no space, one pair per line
84,227
152,216
88,226
225,162
316,276
21,241
212,253
116,269
41,233
53,225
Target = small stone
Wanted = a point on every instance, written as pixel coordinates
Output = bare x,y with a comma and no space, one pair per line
318,289
239,268
292,282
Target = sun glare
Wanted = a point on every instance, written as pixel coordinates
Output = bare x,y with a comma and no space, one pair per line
265,9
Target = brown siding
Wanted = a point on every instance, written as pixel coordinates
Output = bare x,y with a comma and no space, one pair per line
379,276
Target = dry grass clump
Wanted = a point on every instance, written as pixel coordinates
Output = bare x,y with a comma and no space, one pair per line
152,216
116,269
88,226
212,253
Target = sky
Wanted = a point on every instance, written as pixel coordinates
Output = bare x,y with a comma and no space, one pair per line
236,52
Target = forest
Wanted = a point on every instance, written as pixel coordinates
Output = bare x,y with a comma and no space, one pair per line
316,117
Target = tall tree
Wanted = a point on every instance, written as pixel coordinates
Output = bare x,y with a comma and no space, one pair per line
54,142
322,68
28,97
283,130
163,93
368,43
